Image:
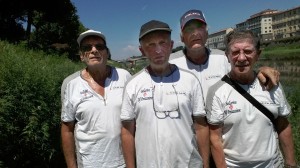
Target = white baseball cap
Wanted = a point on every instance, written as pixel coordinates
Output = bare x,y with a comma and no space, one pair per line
90,33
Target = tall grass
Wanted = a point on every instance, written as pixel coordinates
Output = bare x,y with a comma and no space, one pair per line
30,106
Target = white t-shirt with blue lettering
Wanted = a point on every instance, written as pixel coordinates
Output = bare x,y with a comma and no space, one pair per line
98,125
249,138
162,109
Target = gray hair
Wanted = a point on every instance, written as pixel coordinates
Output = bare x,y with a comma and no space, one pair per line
241,34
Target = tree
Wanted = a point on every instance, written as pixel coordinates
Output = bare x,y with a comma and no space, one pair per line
45,23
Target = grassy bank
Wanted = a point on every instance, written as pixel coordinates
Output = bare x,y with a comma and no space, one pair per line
282,52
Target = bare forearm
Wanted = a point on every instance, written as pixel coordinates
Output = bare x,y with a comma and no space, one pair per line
68,145
202,134
128,144
218,155
287,145
69,152
217,145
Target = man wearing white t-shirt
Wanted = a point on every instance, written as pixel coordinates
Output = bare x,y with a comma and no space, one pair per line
91,106
241,135
163,109
209,65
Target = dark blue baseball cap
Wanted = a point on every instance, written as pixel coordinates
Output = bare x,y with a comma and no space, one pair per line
191,15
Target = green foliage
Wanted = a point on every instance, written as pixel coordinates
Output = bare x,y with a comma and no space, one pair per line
30,106
48,22
292,91
282,52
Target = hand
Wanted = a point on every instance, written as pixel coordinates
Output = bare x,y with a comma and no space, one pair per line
269,77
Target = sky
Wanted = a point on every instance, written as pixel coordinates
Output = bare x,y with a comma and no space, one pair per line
120,20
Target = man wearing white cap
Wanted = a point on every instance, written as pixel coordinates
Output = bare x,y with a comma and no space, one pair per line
91,106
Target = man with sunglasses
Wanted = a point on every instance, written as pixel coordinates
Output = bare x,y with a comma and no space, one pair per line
209,65
91,107
162,108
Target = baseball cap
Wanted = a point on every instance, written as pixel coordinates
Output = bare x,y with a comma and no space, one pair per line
90,33
153,25
191,15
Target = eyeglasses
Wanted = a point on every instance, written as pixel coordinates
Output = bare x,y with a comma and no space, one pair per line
246,52
162,114
89,47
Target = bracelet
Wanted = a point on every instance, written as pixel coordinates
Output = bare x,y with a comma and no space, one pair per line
289,166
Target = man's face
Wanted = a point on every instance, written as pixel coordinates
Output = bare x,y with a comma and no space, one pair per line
157,46
242,56
194,34
93,51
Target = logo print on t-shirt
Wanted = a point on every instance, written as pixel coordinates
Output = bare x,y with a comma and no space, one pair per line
86,94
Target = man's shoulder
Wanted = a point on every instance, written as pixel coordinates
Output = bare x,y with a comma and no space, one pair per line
121,71
177,54
71,77
216,52
137,77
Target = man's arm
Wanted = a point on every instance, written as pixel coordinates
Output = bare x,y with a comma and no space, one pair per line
217,150
284,131
68,143
128,143
268,76
202,134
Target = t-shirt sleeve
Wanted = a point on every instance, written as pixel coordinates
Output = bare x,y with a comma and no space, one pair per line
67,110
214,109
198,100
127,109
284,107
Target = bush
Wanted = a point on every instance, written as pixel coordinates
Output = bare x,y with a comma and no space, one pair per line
30,106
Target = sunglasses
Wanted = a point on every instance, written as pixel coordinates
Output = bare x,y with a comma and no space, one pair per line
89,47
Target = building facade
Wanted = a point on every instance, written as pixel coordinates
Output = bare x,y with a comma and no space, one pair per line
268,24
216,40
286,24
260,23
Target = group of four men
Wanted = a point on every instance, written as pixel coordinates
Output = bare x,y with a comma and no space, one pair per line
157,117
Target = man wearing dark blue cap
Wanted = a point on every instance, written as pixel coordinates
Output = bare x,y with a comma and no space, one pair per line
209,65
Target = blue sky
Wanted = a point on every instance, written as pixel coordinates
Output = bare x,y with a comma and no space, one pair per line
120,20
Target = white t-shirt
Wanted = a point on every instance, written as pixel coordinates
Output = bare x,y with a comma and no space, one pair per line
164,139
208,73
249,138
98,126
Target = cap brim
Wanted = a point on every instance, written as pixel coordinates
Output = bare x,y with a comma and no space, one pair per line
82,36
201,20
156,29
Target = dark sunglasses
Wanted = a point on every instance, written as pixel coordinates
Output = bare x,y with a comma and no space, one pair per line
88,47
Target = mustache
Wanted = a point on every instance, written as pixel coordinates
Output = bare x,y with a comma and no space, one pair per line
241,64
